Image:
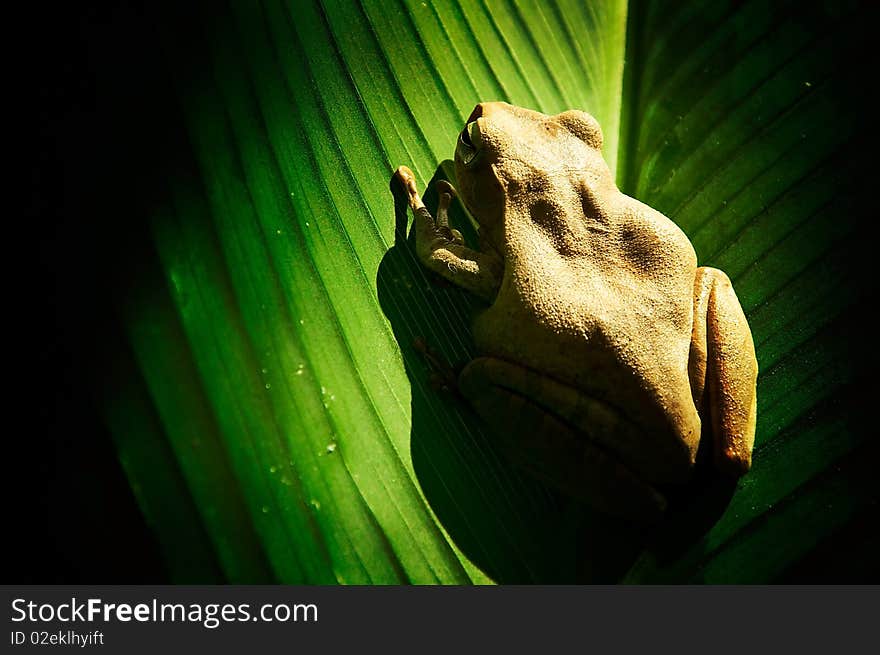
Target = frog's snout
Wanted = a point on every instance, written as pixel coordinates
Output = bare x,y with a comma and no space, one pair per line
476,113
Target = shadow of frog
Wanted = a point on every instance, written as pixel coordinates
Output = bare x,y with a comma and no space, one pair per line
513,527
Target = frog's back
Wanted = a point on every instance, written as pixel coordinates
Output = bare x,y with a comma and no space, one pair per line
604,303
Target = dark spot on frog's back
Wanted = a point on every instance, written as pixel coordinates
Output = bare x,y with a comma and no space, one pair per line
652,249
550,218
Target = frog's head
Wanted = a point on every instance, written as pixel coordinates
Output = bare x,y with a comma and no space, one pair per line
507,153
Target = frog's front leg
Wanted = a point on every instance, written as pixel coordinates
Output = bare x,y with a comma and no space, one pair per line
723,370
442,249
559,435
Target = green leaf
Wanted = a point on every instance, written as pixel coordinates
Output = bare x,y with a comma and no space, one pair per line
277,407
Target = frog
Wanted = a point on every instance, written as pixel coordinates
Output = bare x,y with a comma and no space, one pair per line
604,354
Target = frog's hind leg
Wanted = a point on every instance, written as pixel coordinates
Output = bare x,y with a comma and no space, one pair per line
723,369
507,396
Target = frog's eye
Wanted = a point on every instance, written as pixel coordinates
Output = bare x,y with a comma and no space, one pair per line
469,141
582,125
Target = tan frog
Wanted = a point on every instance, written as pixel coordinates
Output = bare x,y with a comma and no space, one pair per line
604,344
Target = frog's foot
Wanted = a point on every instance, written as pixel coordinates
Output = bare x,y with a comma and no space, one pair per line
537,428
441,248
442,376
439,225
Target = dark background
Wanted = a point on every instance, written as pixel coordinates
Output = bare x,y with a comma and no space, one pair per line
94,107
94,95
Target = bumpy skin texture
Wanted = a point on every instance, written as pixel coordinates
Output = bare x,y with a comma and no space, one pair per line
602,335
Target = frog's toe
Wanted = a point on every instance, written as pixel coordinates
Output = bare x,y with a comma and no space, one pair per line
446,192
407,179
444,187
449,235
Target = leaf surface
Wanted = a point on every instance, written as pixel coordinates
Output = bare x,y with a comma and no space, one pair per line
275,361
